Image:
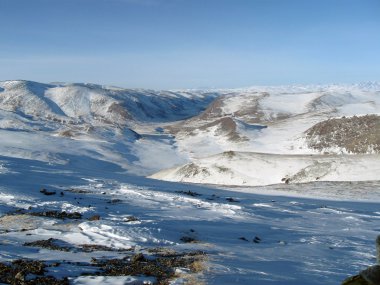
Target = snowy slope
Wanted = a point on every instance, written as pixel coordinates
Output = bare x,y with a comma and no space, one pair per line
239,168
246,237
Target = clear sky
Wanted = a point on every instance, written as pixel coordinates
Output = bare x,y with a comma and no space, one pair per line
190,43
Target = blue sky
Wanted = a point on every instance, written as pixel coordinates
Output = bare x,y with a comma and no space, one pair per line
190,43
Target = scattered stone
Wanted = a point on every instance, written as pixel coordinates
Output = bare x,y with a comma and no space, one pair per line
27,272
187,239
56,244
163,251
139,257
160,267
232,200
48,280
78,191
57,215
94,218
96,247
257,239
213,197
130,219
51,243
46,192
189,193
114,201
243,238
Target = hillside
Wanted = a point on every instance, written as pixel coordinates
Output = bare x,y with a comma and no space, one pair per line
270,119
51,122
350,135
273,131
254,169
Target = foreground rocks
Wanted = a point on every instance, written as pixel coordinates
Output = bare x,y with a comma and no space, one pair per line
160,264
27,272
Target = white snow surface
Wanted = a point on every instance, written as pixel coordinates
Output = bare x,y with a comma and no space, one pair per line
96,143
255,169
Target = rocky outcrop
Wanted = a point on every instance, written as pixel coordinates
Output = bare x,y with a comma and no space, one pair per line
351,135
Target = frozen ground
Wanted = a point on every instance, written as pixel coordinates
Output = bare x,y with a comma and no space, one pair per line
314,240
73,191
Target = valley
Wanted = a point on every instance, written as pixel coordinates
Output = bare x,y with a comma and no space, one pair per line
189,186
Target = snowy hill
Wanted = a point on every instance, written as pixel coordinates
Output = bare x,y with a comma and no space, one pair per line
58,120
278,130
269,119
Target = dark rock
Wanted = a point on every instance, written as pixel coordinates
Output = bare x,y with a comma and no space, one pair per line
96,247
232,200
189,193
257,239
57,215
114,201
94,218
138,258
51,243
27,272
78,191
161,267
187,239
130,219
46,192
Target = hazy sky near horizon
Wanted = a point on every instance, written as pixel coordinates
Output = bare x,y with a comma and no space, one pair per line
165,44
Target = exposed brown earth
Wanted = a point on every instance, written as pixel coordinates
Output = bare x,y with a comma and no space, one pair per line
354,134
